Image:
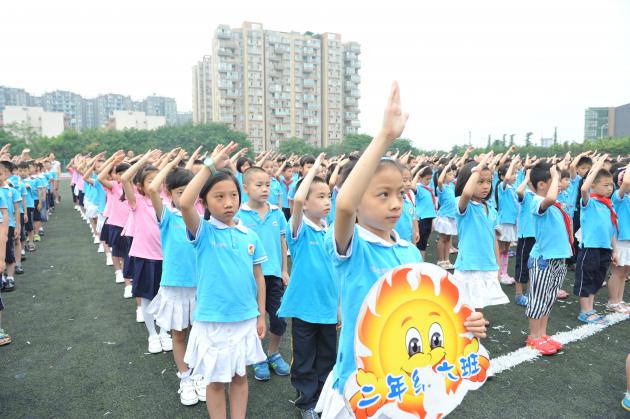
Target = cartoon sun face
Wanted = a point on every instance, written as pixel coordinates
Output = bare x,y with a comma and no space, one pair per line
411,327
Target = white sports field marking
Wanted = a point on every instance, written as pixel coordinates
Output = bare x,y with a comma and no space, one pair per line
512,359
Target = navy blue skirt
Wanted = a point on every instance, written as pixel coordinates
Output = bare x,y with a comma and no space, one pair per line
120,244
146,277
104,236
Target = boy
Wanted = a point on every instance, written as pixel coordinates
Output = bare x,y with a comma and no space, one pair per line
599,224
31,195
16,182
526,238
547,268
11,198
286,180
306,162
275,195
578,169
268,221
4,337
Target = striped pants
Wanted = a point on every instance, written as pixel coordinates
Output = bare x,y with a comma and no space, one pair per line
545,279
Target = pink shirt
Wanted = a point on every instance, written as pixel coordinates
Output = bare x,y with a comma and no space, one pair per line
199,207
146,236
80,182
119,210
74,176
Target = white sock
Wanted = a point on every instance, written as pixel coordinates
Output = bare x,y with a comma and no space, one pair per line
149,320
184,375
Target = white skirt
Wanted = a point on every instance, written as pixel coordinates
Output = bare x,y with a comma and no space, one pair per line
331,404
173,307
219,351
445,225
508,233
91,210
623,253
480,288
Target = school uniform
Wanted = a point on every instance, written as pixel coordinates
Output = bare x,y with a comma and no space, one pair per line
622,208
426,211
547,267
270,230
117,215
275,193
284,190
175,300
31,194
508,213
526,236
21,189
404,226
595,252
446,223
476,265
311,300
10,196
223,339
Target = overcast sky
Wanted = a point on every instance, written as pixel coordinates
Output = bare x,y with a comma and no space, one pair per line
484,66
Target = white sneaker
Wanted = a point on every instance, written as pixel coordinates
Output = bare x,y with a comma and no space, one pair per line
507,280
167,342
127,293
200,387
139,315
23,252
187,392
101,249
119,277
108,260
155,347
447,265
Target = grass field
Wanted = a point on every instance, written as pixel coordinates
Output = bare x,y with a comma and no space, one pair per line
77,351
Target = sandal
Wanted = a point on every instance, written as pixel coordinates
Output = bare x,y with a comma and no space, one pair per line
618,308
587,318
4,338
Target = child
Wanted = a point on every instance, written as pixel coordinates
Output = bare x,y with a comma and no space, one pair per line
445,223
579,168
407,226
285,185
5,338
175,301
314,332
275,194
145,248
306,162
372,195
228,321
12,199
599,226
526,238
547,267
426,206
621,203
507,207
268,222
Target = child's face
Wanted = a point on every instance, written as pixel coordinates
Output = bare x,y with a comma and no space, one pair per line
222,201
603,186
381,204
564,183
322,172
287,173
407,180
304,169
511,179
317,203
483,186
23,172
257,187
245,166
147,182
450,175
32,169
268,167
4,174
176,194
426,179
583,169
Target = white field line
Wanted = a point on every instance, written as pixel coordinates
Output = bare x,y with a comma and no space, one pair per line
512,359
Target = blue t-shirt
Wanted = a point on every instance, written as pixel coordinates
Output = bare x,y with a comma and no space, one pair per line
269,230
404,226
178,267
292,188
508,204
525,222
99,195
275,192
567,202
284,190
333,202
14,179
244,196
622,207
31,185
425,206
495,181
313,291
596,224
3,204
446,199
366,260
552,241
23,194
476,232
11,196
226,287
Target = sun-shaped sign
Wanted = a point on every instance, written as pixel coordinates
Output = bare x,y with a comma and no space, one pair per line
414,357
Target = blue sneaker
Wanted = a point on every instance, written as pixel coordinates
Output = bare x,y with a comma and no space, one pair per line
521,300
278,364
261,371
625,403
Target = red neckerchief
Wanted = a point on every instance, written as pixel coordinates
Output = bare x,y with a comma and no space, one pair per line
412,198
567,222
287,185
606,201
428,188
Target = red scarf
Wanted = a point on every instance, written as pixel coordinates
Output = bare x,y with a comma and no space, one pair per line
412,198
606,201
432,194
287,185
567,222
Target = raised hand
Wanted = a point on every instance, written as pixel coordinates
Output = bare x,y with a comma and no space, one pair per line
394,120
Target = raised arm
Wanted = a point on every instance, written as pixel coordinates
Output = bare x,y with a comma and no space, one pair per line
128,176
301,193
625,184
470,186
352,191
193,157
552,192
510,171
573,165
156,184
520,191
443,173
588,182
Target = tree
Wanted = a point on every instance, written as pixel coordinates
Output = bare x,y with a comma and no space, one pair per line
298,147
528,141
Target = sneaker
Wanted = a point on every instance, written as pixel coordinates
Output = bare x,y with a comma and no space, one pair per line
440,263
447,265
200,387
166,341
108,260
308,414
36,238
31,247
261,371
521,300
9,285
23,252
625,403
127,293
187,392
554,343
19,270
5,339
278,364
100,249
507,280
542,346
155,346
139,315
511,253
453,250
97,240
119,277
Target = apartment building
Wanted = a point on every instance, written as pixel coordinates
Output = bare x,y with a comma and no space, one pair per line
202,91
38,121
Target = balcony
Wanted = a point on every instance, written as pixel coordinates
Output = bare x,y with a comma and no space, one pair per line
355,78
309,83
308,67
233,93
224,33
355,93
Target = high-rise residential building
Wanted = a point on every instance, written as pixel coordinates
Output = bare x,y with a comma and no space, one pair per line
10,96
121,120
71,104
607,122
161,106
276,85
184,118
39,122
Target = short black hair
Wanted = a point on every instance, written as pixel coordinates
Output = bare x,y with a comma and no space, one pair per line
565,174
316,179
308,159
177,178
540,173
584,160
252,171
241,162
603,173
8,165
464,174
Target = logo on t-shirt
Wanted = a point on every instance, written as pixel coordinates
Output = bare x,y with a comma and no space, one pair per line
250,249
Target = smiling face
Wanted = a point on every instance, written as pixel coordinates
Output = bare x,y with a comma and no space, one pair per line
381,204
222,201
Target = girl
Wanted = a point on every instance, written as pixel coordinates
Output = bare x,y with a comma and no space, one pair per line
407,227
373,195
621,202
145,248
175,300
445,223
426,206
507,205
228,321
476,265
